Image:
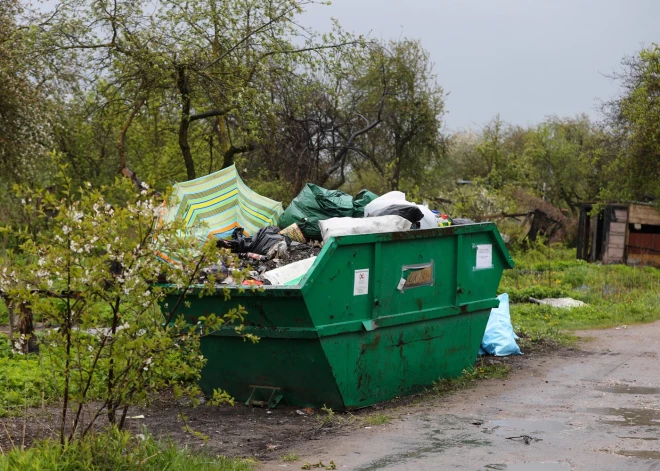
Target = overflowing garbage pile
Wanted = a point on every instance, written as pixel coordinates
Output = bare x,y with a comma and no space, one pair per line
283,255
266,252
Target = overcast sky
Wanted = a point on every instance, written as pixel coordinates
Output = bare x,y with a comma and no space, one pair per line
524,59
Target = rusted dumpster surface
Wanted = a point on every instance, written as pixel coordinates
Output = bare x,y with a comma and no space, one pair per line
377,316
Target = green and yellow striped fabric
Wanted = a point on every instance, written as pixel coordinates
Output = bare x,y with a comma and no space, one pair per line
216,204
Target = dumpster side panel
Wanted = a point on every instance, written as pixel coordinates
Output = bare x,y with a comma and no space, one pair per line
480,264
267,309
387,362
297,366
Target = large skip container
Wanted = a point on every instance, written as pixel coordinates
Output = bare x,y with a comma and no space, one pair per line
377,316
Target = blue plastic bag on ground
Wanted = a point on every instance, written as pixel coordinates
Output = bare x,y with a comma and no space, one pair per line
499,338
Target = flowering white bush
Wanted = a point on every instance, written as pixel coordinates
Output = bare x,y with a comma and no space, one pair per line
91,273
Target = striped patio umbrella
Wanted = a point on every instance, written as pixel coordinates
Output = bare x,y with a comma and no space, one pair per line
214,205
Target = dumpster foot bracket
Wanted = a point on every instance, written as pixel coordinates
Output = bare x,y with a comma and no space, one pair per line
273,400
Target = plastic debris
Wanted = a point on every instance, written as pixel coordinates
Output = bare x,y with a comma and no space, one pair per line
289,273
499,338
336,227
428,220
314,204
294,233
260,244
409,212
565,303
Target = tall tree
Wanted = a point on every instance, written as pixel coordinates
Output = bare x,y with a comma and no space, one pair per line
634,120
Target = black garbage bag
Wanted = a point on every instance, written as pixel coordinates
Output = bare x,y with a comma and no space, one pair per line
314,204
461,221
409,212
260,243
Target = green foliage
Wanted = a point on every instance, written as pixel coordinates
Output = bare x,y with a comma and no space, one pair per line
290,457
377,419
470,376
329,415
25,381
91,272
116,450
633,171
615,294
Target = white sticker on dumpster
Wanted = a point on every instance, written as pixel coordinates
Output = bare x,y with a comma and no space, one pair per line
484,256
361,283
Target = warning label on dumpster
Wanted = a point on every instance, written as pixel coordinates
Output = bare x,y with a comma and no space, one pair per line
361,283
484,257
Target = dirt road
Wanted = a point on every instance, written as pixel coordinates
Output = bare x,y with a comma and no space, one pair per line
598,410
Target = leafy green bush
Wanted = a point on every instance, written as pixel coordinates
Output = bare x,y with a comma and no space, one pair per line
115,450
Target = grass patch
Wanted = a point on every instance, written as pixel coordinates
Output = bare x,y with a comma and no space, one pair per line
615,294
470,376
4,313
290,457
115,450
377,419
23,381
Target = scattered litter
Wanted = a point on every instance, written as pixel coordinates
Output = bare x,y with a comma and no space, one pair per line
462,221
299,412
137,417
499,338
566,303
526,439
261,243
294,233
336,227
291,273
252,283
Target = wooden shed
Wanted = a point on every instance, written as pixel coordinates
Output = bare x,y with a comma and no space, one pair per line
620,233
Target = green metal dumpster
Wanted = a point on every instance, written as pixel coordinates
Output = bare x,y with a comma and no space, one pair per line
376,316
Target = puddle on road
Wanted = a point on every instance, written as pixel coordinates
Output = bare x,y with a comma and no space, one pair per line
631,417
643,454
435,445
530,467
626,389
531,425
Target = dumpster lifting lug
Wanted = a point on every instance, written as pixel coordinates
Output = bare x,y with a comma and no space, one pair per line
273,400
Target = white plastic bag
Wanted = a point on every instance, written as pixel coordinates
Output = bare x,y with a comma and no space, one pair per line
398,197
335,227
290,272
429,221
388,199
499,338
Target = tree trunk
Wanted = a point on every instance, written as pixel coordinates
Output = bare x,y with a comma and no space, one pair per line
21,326
184,123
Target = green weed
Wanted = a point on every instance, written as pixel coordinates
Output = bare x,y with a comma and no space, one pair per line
329,415
377,419
470,376
115,450
291,457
